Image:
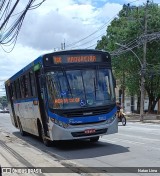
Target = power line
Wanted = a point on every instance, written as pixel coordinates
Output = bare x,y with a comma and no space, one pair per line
104,25
137,43
99,29
9,36
90,40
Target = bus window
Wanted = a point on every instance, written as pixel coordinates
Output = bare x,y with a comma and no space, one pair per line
18,92
32,84
53,88
27,86
26,81
24,86
13,92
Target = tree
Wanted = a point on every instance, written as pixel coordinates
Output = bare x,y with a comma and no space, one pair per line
125,28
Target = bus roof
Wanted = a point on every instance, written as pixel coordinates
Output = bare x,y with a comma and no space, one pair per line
40,60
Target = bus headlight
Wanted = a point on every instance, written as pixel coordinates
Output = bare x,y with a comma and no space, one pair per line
59,123
110,120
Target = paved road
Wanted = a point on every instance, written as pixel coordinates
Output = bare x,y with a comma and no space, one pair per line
136,145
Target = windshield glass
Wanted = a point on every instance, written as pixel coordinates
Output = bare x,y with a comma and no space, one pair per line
80,88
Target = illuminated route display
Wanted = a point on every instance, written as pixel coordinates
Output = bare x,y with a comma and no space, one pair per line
75,58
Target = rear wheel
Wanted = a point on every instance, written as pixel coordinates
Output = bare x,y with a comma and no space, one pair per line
123,121
23,133
94,139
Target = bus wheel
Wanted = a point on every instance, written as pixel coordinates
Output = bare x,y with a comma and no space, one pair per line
23,133
94,139
43,138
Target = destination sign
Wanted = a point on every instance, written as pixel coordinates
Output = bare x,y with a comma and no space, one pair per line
76,59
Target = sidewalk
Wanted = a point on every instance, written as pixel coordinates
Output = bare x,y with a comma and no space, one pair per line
18,157
148,118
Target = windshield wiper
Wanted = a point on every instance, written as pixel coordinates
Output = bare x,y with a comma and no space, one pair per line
68,85
83,86
96,83
95,88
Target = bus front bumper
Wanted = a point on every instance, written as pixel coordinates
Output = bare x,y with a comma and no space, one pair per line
82,132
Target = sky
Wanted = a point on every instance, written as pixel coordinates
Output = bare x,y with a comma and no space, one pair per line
56,22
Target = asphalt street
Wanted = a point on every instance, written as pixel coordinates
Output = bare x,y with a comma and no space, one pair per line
135,145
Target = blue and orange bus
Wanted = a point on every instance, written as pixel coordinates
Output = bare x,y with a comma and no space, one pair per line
64,95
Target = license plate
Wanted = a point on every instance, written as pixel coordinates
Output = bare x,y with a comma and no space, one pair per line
89,131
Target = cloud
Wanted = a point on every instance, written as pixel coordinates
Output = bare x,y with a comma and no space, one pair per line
50,31
10,63
106,14
46,27
64,20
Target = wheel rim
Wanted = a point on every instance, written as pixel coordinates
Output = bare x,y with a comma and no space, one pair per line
123,121
45,141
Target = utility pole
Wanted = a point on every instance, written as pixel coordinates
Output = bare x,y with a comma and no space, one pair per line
123,91
143,69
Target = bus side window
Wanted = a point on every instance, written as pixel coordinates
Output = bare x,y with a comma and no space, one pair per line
18,92
22,87
28,92
13,94
32,84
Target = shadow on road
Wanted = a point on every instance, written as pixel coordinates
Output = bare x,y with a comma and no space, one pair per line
77,149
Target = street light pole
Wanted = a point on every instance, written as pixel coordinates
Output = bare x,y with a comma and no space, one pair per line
124,46
142,64
143,69
142,80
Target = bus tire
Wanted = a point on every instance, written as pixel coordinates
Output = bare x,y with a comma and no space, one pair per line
45,141
23,133
94,139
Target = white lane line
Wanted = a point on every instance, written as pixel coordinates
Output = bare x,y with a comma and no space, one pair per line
144,124
117,140
138,133
137,129
139,137
123,140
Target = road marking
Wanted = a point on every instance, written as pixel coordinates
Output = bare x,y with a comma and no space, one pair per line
116,140
123,140
139,137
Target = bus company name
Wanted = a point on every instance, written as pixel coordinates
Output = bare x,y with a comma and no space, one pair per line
75,59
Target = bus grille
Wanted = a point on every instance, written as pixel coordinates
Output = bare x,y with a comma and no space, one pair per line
90,112
88,123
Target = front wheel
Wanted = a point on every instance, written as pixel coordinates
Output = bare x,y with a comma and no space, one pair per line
43,137
123,121
94,139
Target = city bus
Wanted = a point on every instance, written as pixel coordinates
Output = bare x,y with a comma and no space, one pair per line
64,95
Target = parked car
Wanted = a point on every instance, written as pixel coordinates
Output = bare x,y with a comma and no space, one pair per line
1,111
4,111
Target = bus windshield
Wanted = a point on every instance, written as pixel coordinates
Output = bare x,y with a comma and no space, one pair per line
80,88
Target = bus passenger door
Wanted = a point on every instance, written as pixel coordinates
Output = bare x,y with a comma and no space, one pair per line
10,97
42,101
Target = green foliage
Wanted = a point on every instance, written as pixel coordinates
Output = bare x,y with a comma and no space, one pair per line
126,27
